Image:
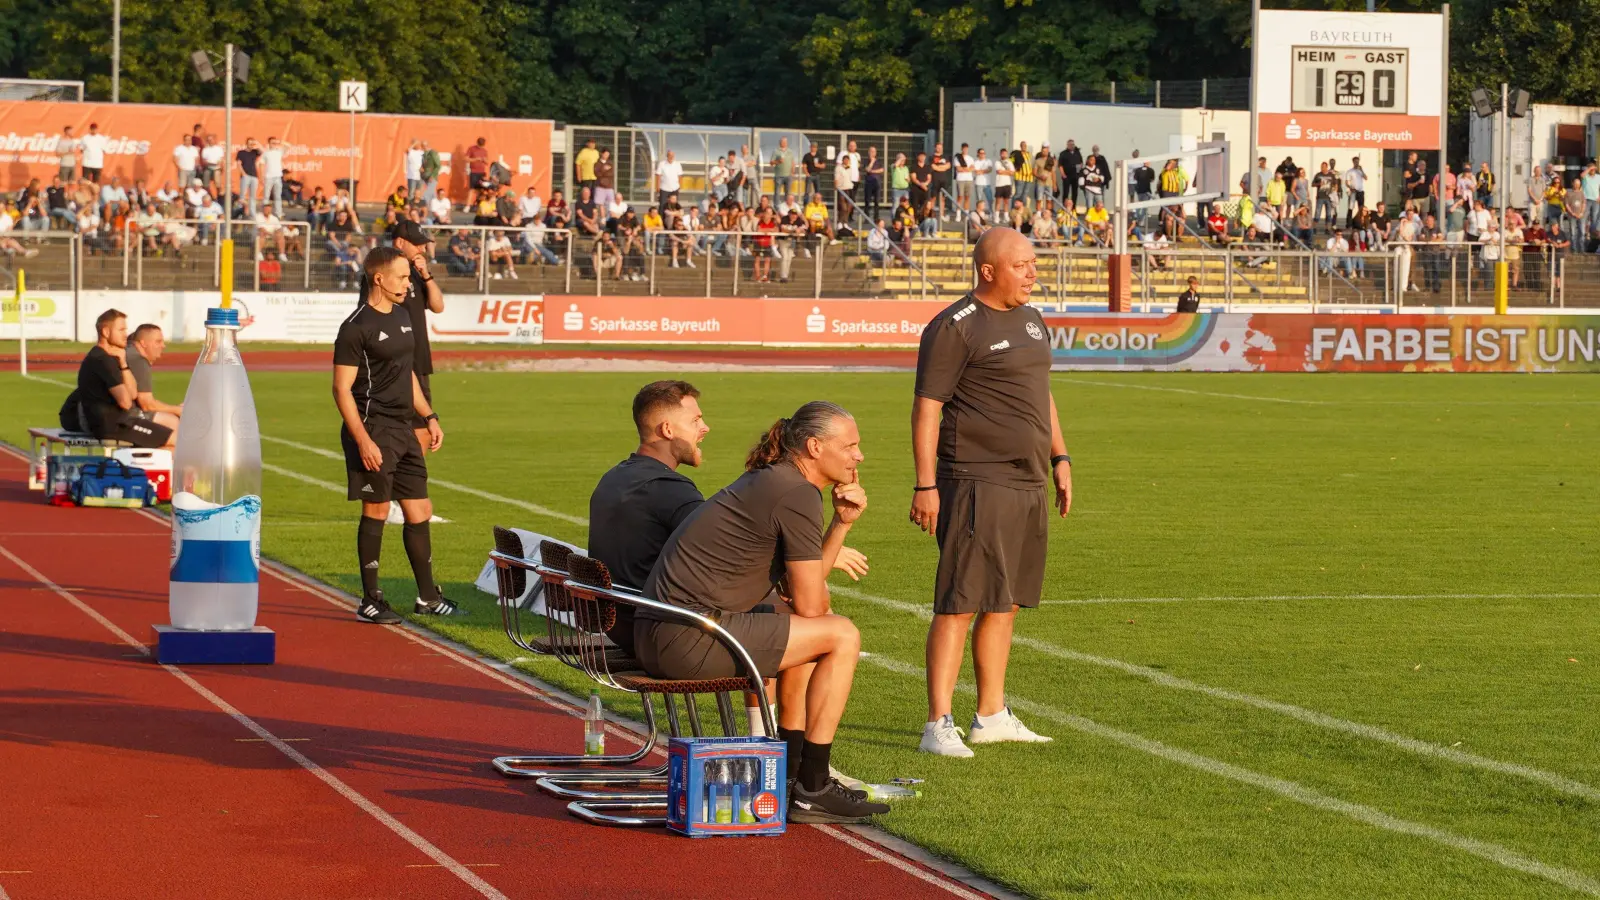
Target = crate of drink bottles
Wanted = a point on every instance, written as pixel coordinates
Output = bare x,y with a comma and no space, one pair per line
731,787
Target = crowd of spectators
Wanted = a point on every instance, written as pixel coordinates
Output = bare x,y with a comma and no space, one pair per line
769,211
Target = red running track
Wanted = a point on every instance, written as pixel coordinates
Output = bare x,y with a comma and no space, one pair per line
357,766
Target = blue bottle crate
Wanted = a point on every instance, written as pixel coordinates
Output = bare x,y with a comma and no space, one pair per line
746,778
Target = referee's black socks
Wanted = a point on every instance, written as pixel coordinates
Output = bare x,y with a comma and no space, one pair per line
419,549
796,739
369,547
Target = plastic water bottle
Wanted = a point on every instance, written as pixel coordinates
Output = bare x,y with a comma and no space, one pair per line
216,501
884,793
749,785
722,782
594,727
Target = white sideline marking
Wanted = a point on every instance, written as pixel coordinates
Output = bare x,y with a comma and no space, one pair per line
897,862
1310,717
534,508
314,482
1495,853
1173,390
1101,600
305,762
56,381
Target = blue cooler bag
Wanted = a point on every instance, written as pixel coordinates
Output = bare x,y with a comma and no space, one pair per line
111,482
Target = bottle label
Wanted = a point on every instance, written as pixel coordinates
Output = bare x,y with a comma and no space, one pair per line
216,544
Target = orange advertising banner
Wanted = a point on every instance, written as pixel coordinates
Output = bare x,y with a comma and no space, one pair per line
1349,130
317,144
732,320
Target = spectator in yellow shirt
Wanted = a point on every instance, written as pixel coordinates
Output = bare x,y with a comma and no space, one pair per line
816,214
1099,220
583,165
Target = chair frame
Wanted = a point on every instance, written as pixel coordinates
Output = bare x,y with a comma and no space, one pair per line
578,640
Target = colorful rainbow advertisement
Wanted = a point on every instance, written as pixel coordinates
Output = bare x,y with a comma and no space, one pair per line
1299,342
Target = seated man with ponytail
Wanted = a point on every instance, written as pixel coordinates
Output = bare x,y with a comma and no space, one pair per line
764,529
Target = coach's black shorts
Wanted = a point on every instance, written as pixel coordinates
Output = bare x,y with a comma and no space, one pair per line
992,541
138,429
417,421
404,473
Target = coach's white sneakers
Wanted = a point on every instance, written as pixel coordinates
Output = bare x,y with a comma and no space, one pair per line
1003,726
943,738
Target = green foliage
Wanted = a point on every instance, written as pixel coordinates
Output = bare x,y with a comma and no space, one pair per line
817,63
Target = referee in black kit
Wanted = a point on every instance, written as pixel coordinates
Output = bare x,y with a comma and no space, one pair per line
379,396
986,439
422,297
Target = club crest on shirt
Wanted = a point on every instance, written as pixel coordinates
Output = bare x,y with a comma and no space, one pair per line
1035,332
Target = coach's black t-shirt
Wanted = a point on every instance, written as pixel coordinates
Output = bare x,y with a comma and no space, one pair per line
381,346
991,370
97,375
633,510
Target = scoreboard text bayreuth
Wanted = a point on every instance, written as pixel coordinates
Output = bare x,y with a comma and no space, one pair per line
1350,79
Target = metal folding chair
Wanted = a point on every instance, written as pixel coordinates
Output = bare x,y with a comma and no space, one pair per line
593,601
512,572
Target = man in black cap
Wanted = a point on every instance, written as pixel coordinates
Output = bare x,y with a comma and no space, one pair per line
423,297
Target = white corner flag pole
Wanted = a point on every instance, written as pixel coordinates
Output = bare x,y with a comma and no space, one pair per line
22,320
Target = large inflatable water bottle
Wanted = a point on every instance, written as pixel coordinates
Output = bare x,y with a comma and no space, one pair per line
216,498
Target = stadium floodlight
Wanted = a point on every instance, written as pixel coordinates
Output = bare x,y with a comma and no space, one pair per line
202,65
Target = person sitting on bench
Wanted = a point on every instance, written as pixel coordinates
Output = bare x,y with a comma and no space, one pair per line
105,403
763,530
643,499
145,348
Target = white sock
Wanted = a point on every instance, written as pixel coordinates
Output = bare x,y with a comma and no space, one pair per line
758,728
928,728
995,719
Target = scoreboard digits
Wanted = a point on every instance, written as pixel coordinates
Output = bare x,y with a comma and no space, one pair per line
1350,79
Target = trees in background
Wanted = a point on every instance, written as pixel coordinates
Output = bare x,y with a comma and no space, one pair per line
820,63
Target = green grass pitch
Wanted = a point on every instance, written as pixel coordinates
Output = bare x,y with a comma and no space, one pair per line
1303,636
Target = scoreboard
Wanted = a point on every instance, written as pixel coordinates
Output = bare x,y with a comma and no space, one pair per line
1349,79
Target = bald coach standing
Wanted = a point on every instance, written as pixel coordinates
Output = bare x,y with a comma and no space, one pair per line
986,441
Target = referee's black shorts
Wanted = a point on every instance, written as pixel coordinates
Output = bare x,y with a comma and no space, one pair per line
403,474
992,541
417,421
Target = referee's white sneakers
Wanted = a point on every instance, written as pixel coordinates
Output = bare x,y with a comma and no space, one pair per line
1003,726
943,738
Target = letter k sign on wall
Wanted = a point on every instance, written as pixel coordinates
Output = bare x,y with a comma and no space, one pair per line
352,96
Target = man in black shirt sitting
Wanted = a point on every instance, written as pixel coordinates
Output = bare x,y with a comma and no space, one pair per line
376,389
105,401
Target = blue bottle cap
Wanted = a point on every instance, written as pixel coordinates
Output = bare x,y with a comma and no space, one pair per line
228,318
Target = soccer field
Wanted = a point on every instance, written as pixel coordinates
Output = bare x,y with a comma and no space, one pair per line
1303,636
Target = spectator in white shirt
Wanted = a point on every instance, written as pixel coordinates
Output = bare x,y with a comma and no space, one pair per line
94,153
439,208
530,205
195,198
717,180
790,202
413,168
669,178
1003,170
983,177
878,243
168,193
1338,248
211,162
616,208
845,176
113,192
186,155
270,228
271,167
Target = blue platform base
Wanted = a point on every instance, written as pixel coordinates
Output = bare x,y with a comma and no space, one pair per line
175,646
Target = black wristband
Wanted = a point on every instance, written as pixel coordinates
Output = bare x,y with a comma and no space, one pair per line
930,487
1054,460
431,417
